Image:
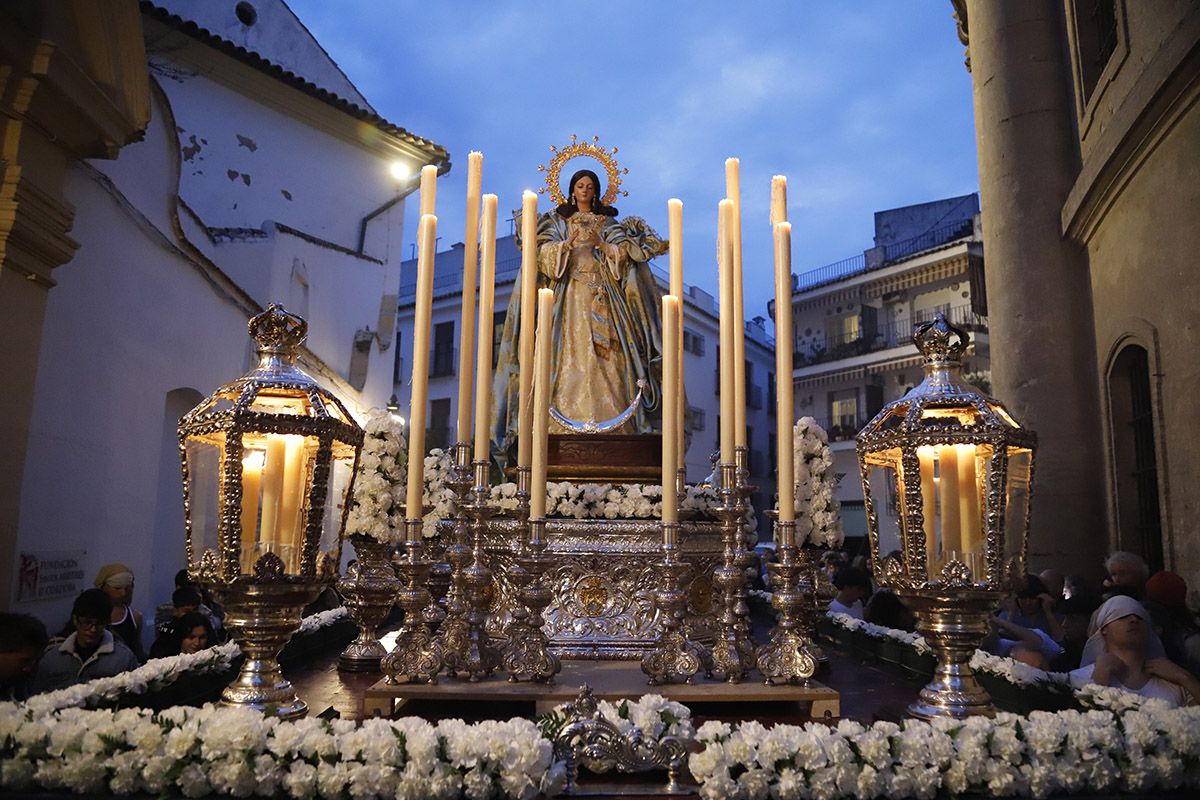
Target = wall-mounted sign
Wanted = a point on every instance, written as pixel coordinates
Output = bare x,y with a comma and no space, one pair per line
49,575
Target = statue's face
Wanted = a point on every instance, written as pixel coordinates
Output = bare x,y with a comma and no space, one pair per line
585,191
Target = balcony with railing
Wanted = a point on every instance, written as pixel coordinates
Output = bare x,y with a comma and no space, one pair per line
883,256
898,333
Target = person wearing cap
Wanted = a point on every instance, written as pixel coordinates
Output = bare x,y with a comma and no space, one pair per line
116,581
1125,653
89,652
1181,634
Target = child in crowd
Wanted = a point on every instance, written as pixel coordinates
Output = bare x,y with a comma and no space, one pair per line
189,633
853,587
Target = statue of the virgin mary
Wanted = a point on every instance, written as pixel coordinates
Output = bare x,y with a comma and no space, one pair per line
607,347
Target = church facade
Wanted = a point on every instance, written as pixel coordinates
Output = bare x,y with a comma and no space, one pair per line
1088,131
256,173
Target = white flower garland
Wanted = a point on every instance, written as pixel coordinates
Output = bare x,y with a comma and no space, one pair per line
322,619
438,494
155,674
1035,756
158,673
607,500
818,511
240,752
379,485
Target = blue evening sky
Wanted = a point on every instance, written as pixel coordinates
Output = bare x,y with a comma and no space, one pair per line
864,106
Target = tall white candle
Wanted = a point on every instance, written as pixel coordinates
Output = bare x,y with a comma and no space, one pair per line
428,189
293,492
467,327
417,407
528,312
733,191
778,201
483,352
784,409
252,468
948,498
541,404
968,499
675,235
272,491
725,262
670,423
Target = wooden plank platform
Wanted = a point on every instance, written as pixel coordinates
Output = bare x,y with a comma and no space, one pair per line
609,680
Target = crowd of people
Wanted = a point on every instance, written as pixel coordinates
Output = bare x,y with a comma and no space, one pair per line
103,636
1134,631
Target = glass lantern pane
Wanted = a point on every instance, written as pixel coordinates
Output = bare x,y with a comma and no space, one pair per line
269,401
1020,463
340,473
888,503
274,488
203,490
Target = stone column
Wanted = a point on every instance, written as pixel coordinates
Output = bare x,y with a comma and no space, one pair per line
1040,314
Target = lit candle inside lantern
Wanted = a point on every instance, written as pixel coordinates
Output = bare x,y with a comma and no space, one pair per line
948,501
528,312
483,354
272,492
968,495
428,189
541,404
289,505
675,235
928,503
783,370
426,238
670,423
778,203
252,467
733,192
470,256
725,263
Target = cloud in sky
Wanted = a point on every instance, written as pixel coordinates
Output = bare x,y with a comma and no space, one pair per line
864,106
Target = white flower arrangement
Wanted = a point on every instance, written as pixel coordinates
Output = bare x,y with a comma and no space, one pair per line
606,500
818,511
155,674
241,752
1036,756
379,484
652,714
438,495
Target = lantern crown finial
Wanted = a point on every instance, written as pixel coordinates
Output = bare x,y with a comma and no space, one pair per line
278,331
933,339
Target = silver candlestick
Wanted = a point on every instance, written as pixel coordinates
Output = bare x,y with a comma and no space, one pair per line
733,652
454,632
480,658
527,655
787,656
417,657
675,657
747,556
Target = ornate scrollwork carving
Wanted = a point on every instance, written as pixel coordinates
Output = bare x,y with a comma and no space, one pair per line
270,568
956,575
587,736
